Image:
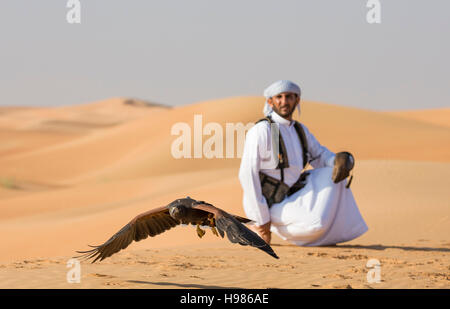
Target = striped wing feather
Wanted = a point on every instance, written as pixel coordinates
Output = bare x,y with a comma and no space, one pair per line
236,231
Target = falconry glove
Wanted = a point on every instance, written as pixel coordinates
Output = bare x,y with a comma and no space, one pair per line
343,164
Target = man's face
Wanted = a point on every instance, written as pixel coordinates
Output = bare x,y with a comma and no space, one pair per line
284,104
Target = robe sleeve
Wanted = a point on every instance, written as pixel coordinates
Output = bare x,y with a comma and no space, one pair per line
255,204
320,155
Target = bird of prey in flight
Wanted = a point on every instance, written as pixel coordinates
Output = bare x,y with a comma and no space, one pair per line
180,211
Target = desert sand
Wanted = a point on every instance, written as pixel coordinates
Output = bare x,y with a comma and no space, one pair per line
74,175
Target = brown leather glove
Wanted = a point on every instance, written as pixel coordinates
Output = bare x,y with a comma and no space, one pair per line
343,164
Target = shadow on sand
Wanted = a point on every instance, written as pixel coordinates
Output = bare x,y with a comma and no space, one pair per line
373,247
183,285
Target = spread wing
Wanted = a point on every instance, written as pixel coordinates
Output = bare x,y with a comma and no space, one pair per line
235,230
150,223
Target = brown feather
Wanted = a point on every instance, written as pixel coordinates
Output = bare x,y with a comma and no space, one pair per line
235,230
150,223
159,220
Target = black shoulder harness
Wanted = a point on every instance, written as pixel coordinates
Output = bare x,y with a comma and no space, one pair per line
283,161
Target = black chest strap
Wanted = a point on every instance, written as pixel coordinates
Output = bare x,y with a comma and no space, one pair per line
283,161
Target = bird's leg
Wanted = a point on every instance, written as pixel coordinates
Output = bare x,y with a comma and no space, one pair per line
200,232
213,229
212,225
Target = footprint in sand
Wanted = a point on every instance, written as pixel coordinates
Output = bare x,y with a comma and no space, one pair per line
102,276
145,262
356,270
112,283
340,276
184,266
437,276
318,254
433,276
352,257
394,262
348,286
195,277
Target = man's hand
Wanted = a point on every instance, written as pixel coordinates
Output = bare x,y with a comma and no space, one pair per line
343,164
263,231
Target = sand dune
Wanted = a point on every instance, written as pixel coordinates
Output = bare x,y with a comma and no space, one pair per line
72,176
436,116
28,129
112,153
106,112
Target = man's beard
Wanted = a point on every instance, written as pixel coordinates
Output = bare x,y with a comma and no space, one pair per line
285,113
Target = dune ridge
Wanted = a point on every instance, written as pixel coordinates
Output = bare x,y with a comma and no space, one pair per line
436,116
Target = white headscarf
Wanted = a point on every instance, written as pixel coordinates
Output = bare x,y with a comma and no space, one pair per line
277,88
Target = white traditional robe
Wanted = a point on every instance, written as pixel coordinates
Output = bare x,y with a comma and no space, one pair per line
321,213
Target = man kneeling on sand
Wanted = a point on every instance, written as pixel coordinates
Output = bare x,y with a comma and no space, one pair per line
308,208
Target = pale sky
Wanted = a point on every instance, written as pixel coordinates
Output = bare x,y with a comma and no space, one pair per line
181,52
